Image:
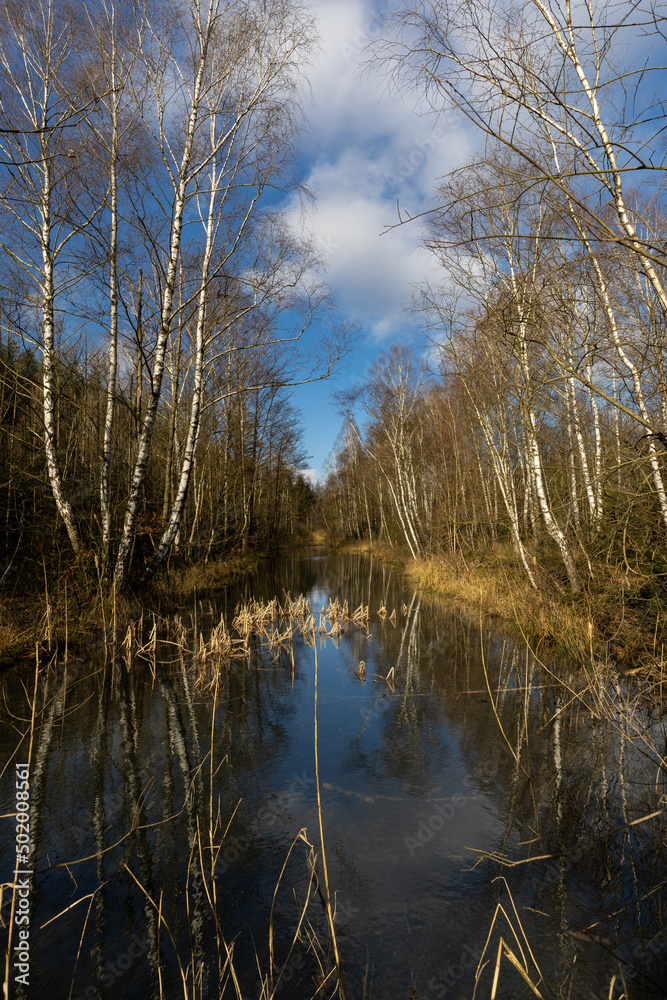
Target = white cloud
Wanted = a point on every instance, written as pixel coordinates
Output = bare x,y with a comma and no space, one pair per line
365,150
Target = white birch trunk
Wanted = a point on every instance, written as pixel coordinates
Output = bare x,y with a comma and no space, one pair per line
549,520
530,427
597,454
187,462
574,500
143,452
636,381
63,505
583,458
113,307
613,176
502,476
535,464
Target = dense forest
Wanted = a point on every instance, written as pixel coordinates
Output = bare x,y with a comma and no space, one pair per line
246,488
153,300
537,417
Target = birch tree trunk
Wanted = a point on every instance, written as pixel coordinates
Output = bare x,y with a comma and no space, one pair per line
503,478
535,463
632,368
35,51
182,179
63,505
190,448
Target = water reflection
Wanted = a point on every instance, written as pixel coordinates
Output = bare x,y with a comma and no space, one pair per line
457,758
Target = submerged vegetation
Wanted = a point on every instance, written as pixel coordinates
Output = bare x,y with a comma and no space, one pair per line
530,862
507,793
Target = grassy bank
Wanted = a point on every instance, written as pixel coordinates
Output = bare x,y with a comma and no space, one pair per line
71,612
618,616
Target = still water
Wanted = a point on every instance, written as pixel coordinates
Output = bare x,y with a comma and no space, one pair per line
162,813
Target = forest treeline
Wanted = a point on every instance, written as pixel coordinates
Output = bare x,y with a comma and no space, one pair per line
539,417
246,490
152,298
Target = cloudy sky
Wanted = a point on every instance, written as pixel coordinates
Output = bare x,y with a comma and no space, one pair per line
364,149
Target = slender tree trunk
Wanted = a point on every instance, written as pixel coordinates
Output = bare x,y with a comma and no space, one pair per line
113,316
171,432
639,393
141,464
574,499
534,459
549,520
63,505
196,405
597,454
617,433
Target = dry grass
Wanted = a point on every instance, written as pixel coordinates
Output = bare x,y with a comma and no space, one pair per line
76,612
500,590
276,626
618,617
204,577
13,638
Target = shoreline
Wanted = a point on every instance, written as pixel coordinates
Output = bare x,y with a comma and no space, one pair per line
76,614
614,620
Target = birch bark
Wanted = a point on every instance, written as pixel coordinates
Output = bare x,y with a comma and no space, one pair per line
182,181
35,51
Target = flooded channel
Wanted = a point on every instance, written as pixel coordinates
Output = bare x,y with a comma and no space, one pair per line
165,811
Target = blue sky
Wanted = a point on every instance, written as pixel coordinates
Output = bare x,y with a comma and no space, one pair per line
364,148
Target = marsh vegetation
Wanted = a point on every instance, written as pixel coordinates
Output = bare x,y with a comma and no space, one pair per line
305,776
467,790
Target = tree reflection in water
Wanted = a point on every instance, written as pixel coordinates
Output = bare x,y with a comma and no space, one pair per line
440,772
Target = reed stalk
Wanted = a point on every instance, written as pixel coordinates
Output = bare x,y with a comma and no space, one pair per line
325,870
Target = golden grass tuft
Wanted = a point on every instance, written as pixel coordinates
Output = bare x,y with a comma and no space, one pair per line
14,638
498,589
617,616
206,577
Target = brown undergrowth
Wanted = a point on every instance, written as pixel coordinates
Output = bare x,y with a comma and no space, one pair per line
618,617
78,609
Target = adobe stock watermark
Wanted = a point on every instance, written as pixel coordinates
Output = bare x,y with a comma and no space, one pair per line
444,812
22,878
420,152
632,971
440,985
357,44
266,818
110,972
344,913
327,244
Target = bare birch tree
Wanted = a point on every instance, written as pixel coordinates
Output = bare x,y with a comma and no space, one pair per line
496,245
109,46
208,115
557,86
40,114
391,396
